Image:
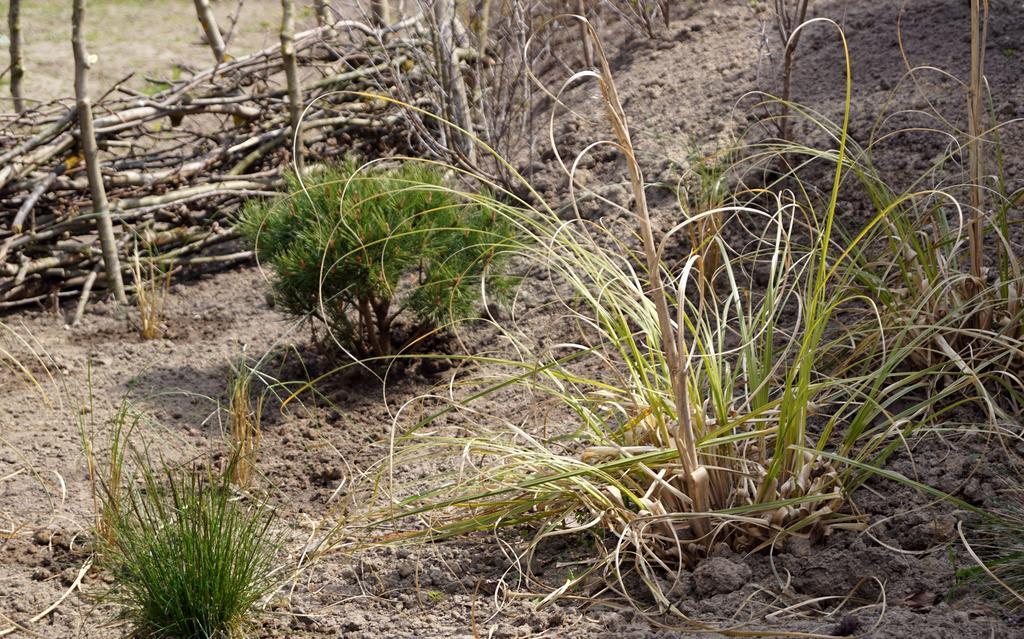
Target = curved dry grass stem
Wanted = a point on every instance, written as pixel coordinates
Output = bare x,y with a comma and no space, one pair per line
673,344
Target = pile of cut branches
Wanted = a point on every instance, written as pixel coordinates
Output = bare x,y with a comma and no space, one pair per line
178,160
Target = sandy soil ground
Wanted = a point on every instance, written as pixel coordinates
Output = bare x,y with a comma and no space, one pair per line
682,91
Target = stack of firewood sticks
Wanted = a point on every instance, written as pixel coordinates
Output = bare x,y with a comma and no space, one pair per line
169,168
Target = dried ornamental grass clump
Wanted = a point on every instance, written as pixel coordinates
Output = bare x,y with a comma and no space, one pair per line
709,408
152,286
244,418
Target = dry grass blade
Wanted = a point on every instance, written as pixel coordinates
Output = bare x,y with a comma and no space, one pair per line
76,584
106,467
673,342
996,544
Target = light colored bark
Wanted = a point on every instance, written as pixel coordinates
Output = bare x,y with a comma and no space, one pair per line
380,11
87,140
455,85
483,26
209,22
17,64
323,13
291,71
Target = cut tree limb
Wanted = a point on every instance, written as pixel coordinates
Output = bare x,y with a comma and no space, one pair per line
32,198
323,12
380,11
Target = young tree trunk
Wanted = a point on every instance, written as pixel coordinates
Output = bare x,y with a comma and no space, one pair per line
482,27
17,68
323,13
787,23
455,85
380,11
291,71
209,22
87,140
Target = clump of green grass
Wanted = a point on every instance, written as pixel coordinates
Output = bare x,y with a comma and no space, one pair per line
366,249
190,559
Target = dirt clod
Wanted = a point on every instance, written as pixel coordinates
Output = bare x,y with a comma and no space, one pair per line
718,576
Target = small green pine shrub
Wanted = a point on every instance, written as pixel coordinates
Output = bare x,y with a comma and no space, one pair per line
382,256
189,559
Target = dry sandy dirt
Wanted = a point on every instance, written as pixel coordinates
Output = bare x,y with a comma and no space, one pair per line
682,90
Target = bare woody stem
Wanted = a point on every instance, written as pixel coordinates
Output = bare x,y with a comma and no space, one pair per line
17,66
483,27
87,140
291,71
323,12
787,23
209,22
380,11
445,50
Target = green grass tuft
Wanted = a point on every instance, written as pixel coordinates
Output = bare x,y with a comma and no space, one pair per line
190,559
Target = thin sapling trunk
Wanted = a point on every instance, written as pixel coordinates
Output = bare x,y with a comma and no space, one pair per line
17,65
210,28
87,140
291,71
787,24
445,50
